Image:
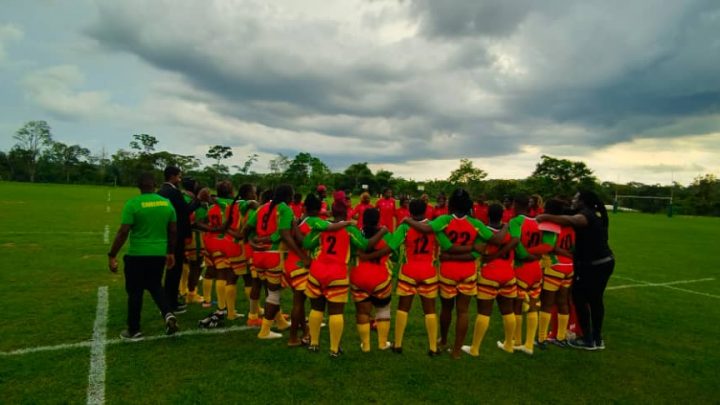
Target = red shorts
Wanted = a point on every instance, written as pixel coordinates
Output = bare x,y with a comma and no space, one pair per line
295,275
215,253
458,278
269,266
529,279
558,275
418,278
236,254
496,279
370,280
328,280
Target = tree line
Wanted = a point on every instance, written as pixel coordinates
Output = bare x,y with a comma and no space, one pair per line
37,157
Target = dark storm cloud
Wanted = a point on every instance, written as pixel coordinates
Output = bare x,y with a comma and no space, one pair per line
605,71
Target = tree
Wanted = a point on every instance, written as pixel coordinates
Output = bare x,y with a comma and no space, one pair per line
355,176
67,157
144,143
245,168
219,153
561,177
32,139
466,173
384,179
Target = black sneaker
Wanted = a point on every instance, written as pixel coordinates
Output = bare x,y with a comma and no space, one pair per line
560,343
582,344
541,345
313,348
435,353
335,355
211,321
171,325
131,336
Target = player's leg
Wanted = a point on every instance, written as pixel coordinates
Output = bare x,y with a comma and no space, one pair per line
482,322
381,302
401,317
532,320
597,307
428,291
336,323
134,286
363,307
272,309
152,279
446,311
563,315
461,322
506,304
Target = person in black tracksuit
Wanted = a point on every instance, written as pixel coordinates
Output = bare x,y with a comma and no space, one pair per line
593,262
170,190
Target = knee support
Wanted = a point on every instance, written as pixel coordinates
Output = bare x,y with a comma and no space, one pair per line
382,313
273,297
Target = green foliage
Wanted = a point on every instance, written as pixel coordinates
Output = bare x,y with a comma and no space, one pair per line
561,177
32,139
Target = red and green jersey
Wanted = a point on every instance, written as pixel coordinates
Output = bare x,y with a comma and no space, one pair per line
566,241
453,231
532,239
359,210
265,222
439,211
505,260
386,206
416,246
386,241
238,212
401,213
335,246
480,212
148,216
216,216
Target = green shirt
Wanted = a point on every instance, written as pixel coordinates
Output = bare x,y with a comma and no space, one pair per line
148,216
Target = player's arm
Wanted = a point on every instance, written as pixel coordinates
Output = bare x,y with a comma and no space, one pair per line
285,226
576,221
120,239
419,226
172,240
459,257
508,247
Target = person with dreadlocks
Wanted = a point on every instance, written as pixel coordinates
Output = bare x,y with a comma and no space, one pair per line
557,279
418,276
533,243
371,283
457,234
496,281
192,267
593,263
275,216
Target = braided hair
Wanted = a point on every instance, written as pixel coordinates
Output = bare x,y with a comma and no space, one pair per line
371,219
593,202
460,202
283,194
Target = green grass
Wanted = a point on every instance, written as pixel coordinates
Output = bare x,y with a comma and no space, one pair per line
661,342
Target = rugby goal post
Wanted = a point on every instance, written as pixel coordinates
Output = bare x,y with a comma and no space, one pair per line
618,197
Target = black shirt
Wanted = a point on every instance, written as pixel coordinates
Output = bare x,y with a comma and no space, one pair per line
182,209
591,241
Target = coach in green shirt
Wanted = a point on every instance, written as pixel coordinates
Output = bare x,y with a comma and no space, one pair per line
149,221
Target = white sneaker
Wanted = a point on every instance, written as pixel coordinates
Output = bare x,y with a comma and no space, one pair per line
387,345
501,346
271,335
467,349
525,350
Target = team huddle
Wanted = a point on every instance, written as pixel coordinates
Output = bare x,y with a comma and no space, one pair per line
327,252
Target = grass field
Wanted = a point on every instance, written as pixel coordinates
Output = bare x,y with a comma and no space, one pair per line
660,338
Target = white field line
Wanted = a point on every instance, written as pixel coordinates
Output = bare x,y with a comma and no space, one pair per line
64,346
669,285
96,378
106,234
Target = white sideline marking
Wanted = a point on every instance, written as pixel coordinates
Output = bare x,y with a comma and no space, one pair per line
64,346
666,285
106,235
96,378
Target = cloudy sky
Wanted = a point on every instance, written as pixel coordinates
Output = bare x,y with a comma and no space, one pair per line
411,86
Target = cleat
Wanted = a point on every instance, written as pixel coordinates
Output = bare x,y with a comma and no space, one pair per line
582,344
386,346
362,349
468,349
600,344
313,348
171,325
131,337
501,346
335,355
289,324
237,316
435,353
541,345
525,350
213,320
254,323
397,350
560,343
270,335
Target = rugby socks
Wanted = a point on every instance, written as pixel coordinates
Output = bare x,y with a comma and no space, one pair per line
254,309
509,326
336,323
265,328
184,280
221,294
207,289
562,325
247,295
518,330
364,332
532,324
280,322
432,330
231,297
544,323
481,326
383,329
401,318
314,324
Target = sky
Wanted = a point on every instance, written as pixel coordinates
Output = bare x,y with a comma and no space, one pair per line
411,86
